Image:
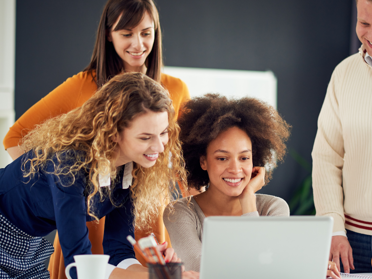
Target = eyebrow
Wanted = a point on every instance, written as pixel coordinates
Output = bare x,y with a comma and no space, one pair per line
224,151
144,29
149,134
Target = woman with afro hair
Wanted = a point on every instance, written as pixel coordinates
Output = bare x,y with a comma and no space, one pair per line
231,147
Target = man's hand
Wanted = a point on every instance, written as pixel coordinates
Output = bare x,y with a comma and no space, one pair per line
340,247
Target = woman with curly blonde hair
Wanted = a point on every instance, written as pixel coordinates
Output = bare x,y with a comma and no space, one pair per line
79,167
129,39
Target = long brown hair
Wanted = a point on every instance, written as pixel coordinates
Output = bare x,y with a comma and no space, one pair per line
105,62
91,130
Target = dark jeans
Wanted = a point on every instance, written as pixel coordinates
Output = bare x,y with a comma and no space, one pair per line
362,251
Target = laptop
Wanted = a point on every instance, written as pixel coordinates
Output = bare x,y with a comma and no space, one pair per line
266,247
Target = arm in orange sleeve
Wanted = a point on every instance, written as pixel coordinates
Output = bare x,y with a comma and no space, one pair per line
66,97
184,97
178,91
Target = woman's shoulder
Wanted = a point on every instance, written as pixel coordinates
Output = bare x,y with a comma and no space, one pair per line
182,204
268,205
181,207
84,77
64,163
172,83
81,81
77,89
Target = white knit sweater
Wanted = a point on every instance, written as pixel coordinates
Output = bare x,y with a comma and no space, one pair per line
342,154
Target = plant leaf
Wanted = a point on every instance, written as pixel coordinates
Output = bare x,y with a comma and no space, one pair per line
300,160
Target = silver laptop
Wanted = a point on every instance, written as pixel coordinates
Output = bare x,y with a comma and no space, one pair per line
266,247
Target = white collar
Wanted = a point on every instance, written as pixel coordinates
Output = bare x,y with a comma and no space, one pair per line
367,58
105,180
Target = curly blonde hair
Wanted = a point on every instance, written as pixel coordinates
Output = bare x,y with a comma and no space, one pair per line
90,130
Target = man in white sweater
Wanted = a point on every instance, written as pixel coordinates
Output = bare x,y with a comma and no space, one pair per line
342,154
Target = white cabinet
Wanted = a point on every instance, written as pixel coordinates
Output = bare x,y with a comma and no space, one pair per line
7,62
230,83
6,120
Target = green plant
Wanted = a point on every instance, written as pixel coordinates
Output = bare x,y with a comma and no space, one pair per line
302,202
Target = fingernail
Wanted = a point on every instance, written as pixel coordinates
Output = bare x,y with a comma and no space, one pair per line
166,261
163,243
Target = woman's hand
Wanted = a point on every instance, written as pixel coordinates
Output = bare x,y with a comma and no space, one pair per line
257,179
190,275
168,253
247,198
332,271
15,152
171,256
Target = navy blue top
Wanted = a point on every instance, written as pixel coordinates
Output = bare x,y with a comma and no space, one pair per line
42,204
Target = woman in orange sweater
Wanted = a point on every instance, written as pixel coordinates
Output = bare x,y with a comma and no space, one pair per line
128,40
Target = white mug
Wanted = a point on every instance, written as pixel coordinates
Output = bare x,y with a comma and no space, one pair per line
89,266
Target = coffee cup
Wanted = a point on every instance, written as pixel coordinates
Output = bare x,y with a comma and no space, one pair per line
89,266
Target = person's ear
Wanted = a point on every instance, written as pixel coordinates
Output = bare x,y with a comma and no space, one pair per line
203,163
115,138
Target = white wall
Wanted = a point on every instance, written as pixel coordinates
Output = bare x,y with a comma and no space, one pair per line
7,62
230,83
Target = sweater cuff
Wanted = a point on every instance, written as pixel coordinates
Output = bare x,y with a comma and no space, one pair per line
339,233
124,264
251,214
109,269
338,222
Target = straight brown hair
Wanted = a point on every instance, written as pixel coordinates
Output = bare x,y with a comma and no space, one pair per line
105,62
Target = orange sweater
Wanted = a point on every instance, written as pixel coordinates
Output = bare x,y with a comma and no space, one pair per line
72,94
66,97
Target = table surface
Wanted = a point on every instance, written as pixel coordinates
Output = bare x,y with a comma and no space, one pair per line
358,274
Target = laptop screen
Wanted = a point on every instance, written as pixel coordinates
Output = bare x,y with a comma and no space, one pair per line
266,247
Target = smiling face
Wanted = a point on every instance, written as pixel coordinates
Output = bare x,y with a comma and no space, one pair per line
364,24
144,139
229,162
134,45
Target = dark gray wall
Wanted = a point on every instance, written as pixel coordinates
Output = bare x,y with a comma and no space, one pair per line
300,41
